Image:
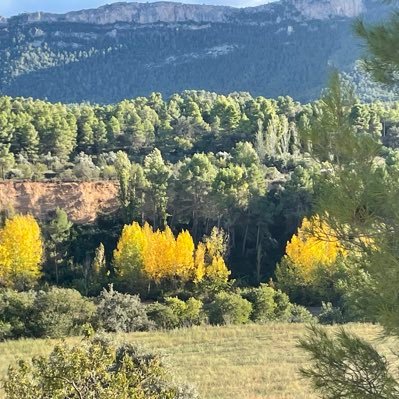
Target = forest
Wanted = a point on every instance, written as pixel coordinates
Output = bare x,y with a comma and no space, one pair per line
233,210
288,54
195,161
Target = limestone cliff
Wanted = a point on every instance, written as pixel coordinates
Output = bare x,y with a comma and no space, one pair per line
139,13
324,9
171,12
83,201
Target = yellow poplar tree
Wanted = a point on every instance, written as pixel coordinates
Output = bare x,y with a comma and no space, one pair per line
185,255
128,255
314,245
21,251
199,263
217,271
160,255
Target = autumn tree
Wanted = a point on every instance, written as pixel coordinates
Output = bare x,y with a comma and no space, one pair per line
359,200
128,255
146,254
214,269
306,271
21,252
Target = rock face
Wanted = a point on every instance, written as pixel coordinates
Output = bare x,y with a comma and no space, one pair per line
324,9
170,12
83,201
139,13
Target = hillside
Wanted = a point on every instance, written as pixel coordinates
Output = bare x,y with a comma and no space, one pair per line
83,201
127,50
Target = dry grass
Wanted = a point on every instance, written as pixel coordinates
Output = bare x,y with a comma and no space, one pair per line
243,362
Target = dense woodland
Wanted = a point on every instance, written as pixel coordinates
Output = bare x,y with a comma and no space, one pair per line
194,161
270,51
233,210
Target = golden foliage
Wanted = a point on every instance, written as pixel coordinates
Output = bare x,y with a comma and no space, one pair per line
314,245
128,255
199,262
217,270
185,255
21,250
160,255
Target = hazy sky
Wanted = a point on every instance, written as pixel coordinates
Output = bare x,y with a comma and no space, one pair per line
13,7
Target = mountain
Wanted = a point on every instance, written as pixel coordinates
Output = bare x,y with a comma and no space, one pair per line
127,50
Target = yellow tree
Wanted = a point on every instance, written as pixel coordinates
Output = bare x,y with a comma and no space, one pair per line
217,271
128,255
184,253
159,255
21,251
314,245
216,243
199,263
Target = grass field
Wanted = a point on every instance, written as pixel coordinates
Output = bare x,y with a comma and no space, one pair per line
235,362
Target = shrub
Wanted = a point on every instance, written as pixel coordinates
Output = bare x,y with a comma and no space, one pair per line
322,287
118,312
188,313
5,331
283,306
60,312
15,311
330,315
94,369
299,314
263,304
162,316
176,313
269,304
229,308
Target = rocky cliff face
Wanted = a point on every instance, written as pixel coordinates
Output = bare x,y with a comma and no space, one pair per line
139,13
170,12
83,201
324,9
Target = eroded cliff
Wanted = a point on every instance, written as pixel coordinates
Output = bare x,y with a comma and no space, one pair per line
83,201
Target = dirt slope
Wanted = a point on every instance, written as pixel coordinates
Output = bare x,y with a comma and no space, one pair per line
83,201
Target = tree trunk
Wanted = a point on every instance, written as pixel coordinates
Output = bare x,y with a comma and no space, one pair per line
244,240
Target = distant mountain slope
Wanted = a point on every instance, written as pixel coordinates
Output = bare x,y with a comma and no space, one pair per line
131,49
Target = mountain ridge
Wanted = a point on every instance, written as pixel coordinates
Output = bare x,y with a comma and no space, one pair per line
172,12
126,50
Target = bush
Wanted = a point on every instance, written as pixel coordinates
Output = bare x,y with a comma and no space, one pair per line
269,304
263,304
118,312
323,286
330,315
162,316
60,312
176,313
16,309
94,368
188,313
299,314
229,308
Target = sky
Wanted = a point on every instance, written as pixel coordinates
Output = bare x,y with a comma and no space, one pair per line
14,7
